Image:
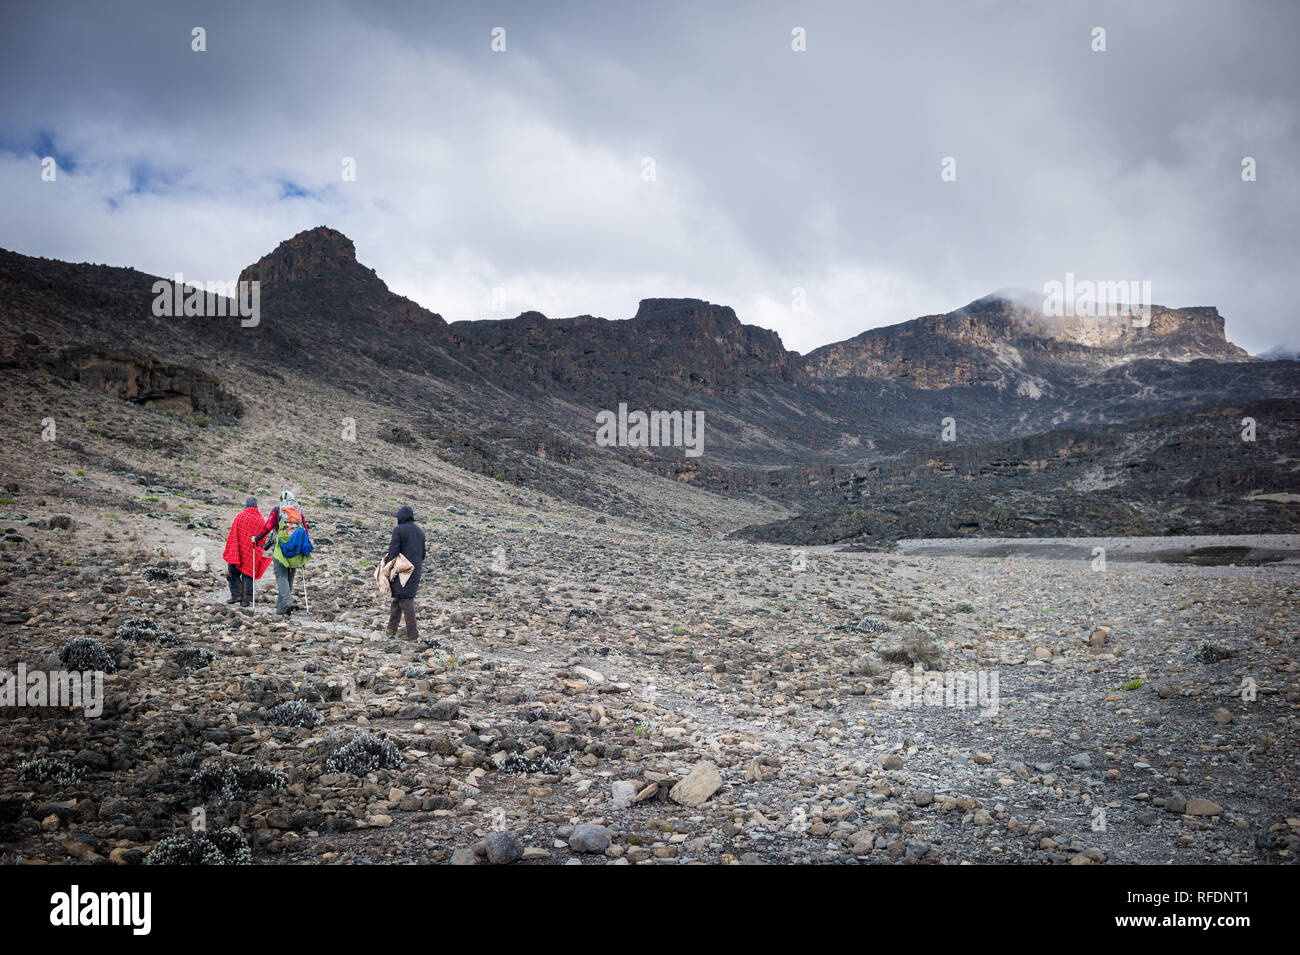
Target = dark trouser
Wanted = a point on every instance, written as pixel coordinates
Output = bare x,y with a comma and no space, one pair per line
403,607
241,585
283,586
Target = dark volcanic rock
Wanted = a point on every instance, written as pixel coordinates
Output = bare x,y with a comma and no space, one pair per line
687,342
146,381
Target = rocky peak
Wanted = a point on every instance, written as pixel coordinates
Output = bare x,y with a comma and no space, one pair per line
693,316
687,342
312,284
319,254
682,308
717,337
1016,313
1007,338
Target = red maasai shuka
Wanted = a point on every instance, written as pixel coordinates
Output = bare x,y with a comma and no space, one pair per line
240,549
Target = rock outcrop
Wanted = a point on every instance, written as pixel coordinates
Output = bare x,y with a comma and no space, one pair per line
1002,340
320,268
685,342
146,381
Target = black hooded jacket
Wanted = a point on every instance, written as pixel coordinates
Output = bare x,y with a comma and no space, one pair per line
408,540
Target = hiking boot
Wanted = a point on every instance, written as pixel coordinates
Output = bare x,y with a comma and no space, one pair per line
232,600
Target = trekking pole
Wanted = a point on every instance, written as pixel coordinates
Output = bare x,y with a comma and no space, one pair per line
305,601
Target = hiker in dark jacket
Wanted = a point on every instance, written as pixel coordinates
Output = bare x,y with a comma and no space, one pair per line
407,540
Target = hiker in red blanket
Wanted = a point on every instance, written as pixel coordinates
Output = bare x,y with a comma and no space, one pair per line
244,561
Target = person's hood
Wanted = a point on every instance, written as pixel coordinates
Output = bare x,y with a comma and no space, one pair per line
405,515
288,500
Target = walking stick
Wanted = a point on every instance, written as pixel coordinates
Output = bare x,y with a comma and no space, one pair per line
305,601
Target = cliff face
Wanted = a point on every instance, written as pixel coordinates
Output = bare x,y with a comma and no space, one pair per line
317,272
322,310
691,336
1002,342
686,342
313,284
145,381
322,255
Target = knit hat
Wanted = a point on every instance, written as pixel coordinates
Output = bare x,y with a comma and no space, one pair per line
251,502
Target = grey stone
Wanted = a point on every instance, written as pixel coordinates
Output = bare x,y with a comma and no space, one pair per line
504,848
589,837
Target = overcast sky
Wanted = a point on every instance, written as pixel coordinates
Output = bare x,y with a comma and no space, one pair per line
524,170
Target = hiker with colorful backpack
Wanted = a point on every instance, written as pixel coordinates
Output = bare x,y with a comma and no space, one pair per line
291,552
245,563
290,546
273,519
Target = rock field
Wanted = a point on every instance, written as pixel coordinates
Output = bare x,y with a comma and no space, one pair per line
606,690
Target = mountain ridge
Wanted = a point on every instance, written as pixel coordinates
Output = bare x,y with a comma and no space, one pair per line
997,341
325,315
981,340
517,400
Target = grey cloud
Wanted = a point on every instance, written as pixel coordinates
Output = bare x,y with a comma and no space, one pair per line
775,169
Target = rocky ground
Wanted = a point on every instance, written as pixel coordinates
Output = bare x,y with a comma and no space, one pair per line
604,689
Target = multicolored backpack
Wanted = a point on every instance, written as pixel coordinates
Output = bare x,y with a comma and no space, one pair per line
292,549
